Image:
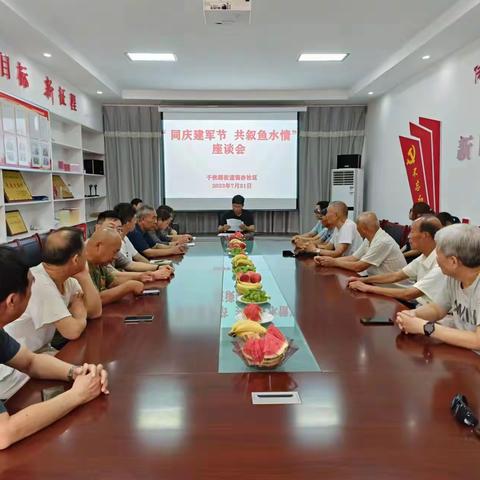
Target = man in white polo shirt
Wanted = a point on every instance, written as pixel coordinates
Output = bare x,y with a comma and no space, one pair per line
378,254
345,239
458,255
63,297
424,270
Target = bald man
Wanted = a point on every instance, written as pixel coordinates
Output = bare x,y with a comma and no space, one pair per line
63,296
345,238
424,270
101,249
378,254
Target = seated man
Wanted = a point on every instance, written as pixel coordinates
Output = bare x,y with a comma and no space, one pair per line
458,255
319,241
137,203
63,296
169,232
424,270
101,249
318,231
88,381
142,241
237,213
378,254
159,235
124,268
345,239
418,210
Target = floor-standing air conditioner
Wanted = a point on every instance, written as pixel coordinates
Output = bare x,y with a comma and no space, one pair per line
347,186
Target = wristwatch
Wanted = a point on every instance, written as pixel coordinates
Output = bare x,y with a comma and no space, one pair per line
70,373
429,328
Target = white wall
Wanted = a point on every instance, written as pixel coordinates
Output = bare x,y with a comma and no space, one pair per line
446,92
89,111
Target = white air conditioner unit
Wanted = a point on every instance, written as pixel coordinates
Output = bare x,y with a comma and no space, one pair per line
347,186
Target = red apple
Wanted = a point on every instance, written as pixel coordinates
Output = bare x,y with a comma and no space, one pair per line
245,277
255,277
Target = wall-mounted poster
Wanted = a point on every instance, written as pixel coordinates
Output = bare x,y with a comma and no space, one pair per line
23,152
10,143
44,128
2,150
15,223
21,119
34,125
45,153
35,154
8,117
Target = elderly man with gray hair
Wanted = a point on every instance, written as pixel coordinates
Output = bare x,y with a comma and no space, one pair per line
378,254
143,242
458,255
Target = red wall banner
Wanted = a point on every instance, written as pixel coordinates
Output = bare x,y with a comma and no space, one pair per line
412,156
421,156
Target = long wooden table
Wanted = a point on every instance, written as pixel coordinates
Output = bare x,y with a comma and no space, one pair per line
378,409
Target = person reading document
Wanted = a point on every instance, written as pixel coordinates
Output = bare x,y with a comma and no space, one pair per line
237,219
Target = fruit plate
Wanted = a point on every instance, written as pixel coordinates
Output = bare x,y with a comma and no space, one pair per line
267,317
270,364
246,302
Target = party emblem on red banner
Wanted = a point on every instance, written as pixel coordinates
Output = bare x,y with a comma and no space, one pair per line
421,156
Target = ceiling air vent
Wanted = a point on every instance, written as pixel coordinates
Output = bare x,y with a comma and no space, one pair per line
227,12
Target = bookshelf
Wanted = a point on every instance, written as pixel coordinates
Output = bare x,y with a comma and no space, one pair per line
58,147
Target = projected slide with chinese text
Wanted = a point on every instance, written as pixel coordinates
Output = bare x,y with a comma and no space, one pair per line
210,157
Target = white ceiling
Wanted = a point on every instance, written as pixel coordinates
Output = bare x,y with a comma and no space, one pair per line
385,39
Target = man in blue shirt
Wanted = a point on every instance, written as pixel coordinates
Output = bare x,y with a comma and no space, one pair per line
88,380
143,242
319,234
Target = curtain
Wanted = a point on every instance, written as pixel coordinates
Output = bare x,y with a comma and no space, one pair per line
132,153
325,132
134,157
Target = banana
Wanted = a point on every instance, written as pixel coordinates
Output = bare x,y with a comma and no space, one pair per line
246,329
243,261
237,257
243,287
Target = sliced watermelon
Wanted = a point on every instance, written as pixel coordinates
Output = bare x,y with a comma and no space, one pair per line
273,346
253,350
253,312
273,330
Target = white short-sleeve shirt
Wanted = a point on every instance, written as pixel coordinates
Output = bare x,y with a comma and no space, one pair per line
382,253
428,277
463,303
348,234
128,249
36,327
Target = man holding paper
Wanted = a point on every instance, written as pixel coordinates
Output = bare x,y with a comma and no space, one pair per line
237,219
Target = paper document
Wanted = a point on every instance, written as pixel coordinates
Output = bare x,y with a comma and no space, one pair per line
234,224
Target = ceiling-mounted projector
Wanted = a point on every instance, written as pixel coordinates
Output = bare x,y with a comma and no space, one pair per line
227,12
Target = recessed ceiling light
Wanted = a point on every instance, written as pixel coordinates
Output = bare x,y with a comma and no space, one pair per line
152,57
425,57
47,55
99,92
322,57
370,93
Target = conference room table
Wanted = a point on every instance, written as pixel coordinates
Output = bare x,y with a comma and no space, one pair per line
378,408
